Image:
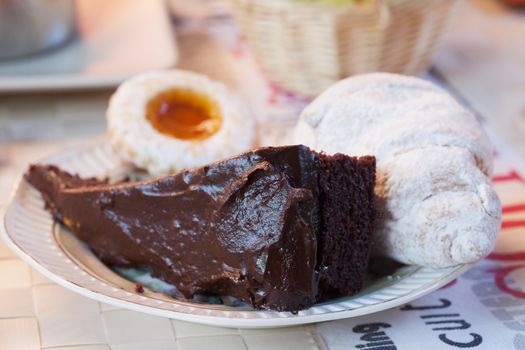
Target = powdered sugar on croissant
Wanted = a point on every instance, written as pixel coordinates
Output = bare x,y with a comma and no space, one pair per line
433,160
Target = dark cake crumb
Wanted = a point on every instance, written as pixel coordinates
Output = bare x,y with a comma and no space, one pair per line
347,214
139,288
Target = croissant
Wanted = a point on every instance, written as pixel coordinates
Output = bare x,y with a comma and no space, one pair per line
434,162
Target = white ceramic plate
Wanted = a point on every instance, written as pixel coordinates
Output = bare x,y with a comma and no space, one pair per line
116,39
31,233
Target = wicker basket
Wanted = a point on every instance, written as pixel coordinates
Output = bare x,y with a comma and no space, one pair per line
199,9
307,47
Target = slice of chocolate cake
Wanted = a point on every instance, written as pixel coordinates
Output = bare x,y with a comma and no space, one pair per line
280,228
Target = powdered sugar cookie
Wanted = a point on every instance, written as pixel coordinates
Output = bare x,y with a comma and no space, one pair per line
433,164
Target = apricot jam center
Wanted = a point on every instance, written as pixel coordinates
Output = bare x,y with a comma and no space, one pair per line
184,114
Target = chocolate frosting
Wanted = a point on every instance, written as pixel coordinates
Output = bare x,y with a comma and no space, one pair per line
244,227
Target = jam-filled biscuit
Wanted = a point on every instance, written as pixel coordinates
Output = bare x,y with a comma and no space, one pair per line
166,121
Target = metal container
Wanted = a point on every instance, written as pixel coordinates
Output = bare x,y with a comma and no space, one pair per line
29,26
